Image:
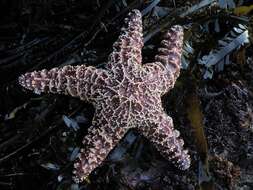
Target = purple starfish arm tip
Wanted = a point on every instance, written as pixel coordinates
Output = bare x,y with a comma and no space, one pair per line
169,54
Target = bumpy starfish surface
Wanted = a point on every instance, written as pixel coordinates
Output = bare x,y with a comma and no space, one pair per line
125,95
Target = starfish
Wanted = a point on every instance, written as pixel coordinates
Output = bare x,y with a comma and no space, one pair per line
126,95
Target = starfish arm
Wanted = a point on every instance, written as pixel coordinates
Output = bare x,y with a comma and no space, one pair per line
129,44
166,140
167,63
97,145
78,81
169,54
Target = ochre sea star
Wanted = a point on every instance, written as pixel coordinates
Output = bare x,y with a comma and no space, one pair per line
125,95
